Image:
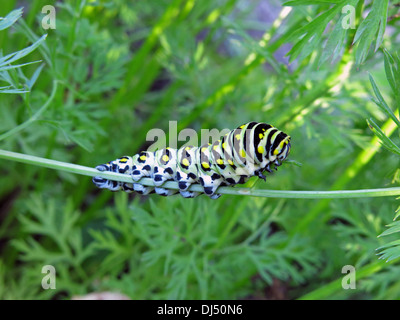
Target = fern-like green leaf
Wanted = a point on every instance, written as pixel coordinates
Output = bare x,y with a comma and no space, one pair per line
10,19
309,37
391,250
366,32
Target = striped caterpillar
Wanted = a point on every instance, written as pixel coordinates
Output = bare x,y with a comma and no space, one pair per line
246,151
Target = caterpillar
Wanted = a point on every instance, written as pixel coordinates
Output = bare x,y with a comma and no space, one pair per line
246,151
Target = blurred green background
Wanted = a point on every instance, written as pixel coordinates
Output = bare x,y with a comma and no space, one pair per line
124,67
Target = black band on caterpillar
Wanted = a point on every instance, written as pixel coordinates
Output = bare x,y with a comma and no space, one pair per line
246,151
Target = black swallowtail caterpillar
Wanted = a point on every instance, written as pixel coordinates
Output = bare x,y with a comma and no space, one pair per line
246,151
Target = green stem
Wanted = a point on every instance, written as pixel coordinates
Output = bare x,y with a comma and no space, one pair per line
77,169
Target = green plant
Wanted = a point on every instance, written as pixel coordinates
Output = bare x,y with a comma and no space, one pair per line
371,29
91,89
390,250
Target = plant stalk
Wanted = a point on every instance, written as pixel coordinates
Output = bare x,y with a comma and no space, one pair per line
87,171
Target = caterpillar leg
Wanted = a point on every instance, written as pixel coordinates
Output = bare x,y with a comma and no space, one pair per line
164,170
142,167
141,189
185,180
186,172
259,173
223,162
215,196
189,194
209,178
165,192
164,166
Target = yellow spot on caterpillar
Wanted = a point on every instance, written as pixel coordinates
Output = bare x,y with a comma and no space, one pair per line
237,136
187,148
242,126
215,147
260,149
205,165
261,136
276,151
243,153
224,145
143,157
123,160
165,158
230,162
185,162
203,149
220,161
